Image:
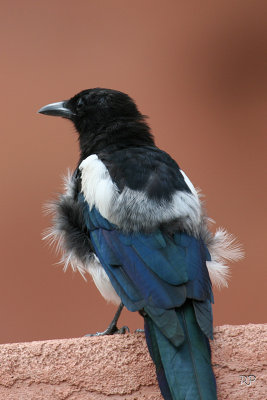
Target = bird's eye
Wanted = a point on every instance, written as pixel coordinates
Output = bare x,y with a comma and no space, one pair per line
79,104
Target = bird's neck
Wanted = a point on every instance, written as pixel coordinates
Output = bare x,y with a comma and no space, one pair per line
119,135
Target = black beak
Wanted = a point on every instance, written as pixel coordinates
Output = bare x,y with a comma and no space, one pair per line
58,109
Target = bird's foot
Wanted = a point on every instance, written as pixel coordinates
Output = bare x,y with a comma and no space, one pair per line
111,330
139,331
124,329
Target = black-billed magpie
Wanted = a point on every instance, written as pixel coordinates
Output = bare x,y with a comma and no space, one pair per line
132,218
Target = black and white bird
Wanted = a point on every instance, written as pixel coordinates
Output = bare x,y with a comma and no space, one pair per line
132,219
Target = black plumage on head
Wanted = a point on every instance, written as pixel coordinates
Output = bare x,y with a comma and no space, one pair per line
107,120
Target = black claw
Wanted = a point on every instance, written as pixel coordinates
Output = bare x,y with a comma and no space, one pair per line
111,330
123,329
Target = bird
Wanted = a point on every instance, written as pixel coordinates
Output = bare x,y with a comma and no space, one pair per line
131,217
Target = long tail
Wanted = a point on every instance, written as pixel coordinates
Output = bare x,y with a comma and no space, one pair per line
184,372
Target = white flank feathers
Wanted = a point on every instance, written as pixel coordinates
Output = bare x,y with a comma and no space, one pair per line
223,248
102,282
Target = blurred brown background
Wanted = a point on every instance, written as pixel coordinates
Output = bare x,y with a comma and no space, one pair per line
197,69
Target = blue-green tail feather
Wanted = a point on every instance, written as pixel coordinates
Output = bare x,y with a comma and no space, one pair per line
155,355
187,368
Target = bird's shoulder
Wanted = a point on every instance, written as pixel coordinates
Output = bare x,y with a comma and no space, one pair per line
139,189
145,168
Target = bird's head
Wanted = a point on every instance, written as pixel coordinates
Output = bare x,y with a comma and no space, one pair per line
92,108
99,115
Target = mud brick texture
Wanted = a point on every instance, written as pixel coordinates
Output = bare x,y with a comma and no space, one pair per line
119,367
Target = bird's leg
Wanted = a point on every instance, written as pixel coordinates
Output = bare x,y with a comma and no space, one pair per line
112,328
